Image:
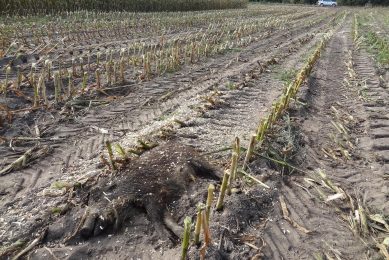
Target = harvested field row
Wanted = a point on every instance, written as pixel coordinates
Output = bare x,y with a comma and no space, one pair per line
21,36
344,161
146,97
44,84
308,191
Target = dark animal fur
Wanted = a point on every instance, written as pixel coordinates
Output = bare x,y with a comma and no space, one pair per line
152,182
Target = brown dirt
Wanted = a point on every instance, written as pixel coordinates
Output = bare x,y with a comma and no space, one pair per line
362,175
217,100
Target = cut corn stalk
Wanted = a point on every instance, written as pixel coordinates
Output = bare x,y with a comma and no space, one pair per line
219,205
186,237
249,152
211,189
200,208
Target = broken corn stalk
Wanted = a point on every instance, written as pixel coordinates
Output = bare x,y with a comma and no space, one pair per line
120,150
110,154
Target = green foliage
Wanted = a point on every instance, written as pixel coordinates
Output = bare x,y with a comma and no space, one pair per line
379,46
287,75
24,7
230,85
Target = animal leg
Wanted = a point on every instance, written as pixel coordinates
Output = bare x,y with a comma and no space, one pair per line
156,214
172,225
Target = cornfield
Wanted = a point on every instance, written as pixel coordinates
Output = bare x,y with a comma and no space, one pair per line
101,65
24,7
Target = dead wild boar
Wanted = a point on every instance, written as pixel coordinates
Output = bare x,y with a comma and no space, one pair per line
153,181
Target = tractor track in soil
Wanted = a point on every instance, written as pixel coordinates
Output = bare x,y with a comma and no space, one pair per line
103,37
98,37
362,175
139,108
148,92
65,56
151,106
83,145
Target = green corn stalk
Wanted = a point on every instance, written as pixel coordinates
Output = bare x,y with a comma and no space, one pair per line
200,208
57,87
114,64
186,237
185,54
192,52
146,65
211,189
88,60
206,230
233,168
84,82
7,72
70,85
108,72
110,154
128,50
36,91
82,65
122,68
18,78
48,65
158,66
250,151
74,68
106,56
263,127
33,66
120,150
42,87
98,79
110,56
122,52
98,57
234,165
198,53
237,146
364,227
219,205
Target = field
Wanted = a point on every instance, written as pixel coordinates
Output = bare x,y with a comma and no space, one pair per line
288,102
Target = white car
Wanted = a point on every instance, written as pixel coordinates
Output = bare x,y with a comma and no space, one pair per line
332,3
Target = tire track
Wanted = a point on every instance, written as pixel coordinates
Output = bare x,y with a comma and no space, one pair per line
376,102
71,161
330,234
140,95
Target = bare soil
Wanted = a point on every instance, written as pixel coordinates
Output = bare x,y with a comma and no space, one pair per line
205,106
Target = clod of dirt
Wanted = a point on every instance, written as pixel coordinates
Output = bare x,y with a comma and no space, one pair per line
152,182
211,253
